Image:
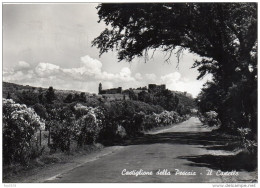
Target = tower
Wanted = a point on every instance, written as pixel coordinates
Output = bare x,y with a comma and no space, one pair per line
100,88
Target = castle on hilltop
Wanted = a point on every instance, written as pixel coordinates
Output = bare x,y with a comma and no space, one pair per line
156,88
118,93
151,88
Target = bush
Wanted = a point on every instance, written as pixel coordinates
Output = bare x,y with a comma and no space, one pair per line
76,122
246,143
210,118
163,119
28,98
62,124
89,124
40,110
121,132
126,114
20,125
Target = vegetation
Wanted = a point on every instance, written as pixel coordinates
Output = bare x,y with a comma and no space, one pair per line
76,120
20,125
167,99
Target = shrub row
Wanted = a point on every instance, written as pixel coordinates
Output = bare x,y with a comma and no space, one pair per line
76,123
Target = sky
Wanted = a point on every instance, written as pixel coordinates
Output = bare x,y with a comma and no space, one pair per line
50,45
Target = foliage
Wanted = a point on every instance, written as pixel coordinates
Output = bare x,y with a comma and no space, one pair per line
246,142
28,98
167,99
8,96
69,98
213,30
42,98
77,123
40,110
163,119
20,125
62,125
76,98
121,132
124,118
210,118
50,95
85,120
88,125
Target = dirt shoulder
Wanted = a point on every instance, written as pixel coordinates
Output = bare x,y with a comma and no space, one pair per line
65,164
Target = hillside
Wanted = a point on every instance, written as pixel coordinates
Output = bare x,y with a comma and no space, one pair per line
169,100
15,89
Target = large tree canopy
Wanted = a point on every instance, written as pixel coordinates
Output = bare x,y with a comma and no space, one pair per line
223,34
212,30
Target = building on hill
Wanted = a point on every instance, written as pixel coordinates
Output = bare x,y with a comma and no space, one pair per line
142,88
119,94
151,88
156,88
109,91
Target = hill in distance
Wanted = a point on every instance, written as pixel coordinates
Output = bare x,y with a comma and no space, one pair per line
14,89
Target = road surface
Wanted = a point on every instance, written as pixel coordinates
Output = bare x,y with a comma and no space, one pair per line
187,152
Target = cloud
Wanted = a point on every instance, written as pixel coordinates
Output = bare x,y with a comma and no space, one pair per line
91,65
89,73
150,77
174,81
125,72
47,69
138,76
22,65
172,77
87,76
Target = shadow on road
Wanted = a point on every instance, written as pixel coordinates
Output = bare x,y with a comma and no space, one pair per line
206,140
210,140
239,162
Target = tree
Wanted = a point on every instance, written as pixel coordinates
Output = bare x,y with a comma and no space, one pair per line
82,97
69,98
27,97
223,34
8,96
132,95
144,96
42,98
40,110
50,95
76,97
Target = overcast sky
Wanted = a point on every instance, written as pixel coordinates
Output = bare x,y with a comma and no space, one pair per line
50,45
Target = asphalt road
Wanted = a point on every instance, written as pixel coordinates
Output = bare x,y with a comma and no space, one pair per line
185,152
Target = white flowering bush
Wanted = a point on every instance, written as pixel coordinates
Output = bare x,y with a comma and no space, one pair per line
163,119
77,123
20,125
150,121
88,125
210,118
121,131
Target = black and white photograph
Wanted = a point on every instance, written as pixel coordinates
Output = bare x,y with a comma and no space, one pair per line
127,92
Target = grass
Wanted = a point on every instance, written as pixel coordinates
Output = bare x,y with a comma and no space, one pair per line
47,159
